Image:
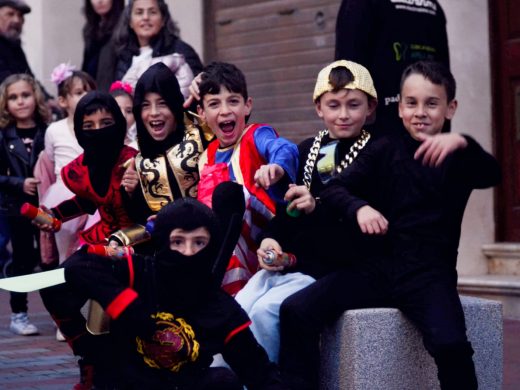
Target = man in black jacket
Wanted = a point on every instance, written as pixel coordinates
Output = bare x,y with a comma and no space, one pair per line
386,36
13,58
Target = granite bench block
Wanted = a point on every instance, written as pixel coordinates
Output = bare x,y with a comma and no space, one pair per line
374,349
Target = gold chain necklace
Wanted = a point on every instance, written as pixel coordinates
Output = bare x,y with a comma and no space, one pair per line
347,160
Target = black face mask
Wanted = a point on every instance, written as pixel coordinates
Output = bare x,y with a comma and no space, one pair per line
99,145
101,148
185,281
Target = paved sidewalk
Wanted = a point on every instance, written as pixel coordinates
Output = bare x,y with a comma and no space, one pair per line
41,362
34,362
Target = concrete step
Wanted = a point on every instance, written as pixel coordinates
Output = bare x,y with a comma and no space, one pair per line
503,258
503,288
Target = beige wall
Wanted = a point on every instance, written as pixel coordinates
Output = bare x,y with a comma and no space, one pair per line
468,34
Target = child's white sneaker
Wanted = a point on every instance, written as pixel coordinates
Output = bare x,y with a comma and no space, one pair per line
20,325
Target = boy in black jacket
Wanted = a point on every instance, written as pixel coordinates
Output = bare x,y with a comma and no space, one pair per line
420,183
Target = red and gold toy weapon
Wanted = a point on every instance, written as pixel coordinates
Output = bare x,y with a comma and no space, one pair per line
39,215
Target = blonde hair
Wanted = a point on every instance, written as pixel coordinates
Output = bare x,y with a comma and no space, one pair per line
41,114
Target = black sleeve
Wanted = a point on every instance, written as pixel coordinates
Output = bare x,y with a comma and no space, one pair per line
476,167
106,71
100,278
346,192
282,226
443,54
250,362
354,29
107,281
229,206
136,205
73,208
190,55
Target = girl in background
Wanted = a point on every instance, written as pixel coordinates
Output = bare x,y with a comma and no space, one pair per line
61,147
101,19
23,120
123,93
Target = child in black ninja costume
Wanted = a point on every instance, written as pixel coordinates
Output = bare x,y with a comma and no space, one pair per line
169,315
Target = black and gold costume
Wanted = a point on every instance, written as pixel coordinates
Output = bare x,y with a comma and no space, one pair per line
167,169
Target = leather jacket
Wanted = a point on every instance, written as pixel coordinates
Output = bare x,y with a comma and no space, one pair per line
15,166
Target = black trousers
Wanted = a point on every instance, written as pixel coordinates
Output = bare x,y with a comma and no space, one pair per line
427,295
25,241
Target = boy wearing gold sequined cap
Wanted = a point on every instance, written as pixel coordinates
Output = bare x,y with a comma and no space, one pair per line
420,181
345,98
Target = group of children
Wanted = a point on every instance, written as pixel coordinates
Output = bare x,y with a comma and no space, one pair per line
371,223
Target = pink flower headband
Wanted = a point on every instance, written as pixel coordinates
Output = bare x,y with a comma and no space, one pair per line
62,72
121,85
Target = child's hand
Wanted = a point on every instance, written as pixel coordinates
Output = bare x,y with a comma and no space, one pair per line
267,175
300,198
371,221
130,178
268,244
435,148
194,91
30,185
46,227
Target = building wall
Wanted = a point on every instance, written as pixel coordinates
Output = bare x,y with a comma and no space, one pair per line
468,34
52,34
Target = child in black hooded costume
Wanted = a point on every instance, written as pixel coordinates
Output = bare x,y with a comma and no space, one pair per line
169,315
166,167
95,176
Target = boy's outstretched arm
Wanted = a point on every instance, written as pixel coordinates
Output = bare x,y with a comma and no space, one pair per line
268,174
278,153
194,91
435,148
475,167
345,194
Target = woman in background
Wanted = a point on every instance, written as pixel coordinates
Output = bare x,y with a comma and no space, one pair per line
101,19
146,34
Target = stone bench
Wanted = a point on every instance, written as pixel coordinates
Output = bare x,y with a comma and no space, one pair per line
380,349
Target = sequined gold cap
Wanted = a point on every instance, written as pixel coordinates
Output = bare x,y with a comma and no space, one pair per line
362,79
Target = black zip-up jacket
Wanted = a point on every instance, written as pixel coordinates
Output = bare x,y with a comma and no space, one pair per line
424,205
15,166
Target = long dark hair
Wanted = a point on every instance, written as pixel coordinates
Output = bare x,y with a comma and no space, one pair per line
125,38
94,29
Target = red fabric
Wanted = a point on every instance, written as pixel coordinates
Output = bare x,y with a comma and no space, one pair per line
259,207
120,303
131,271
210,177
111,211
236,330
249,160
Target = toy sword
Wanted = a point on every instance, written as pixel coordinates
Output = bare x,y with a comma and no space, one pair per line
32,282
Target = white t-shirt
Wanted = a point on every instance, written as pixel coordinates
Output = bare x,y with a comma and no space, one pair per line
61,145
